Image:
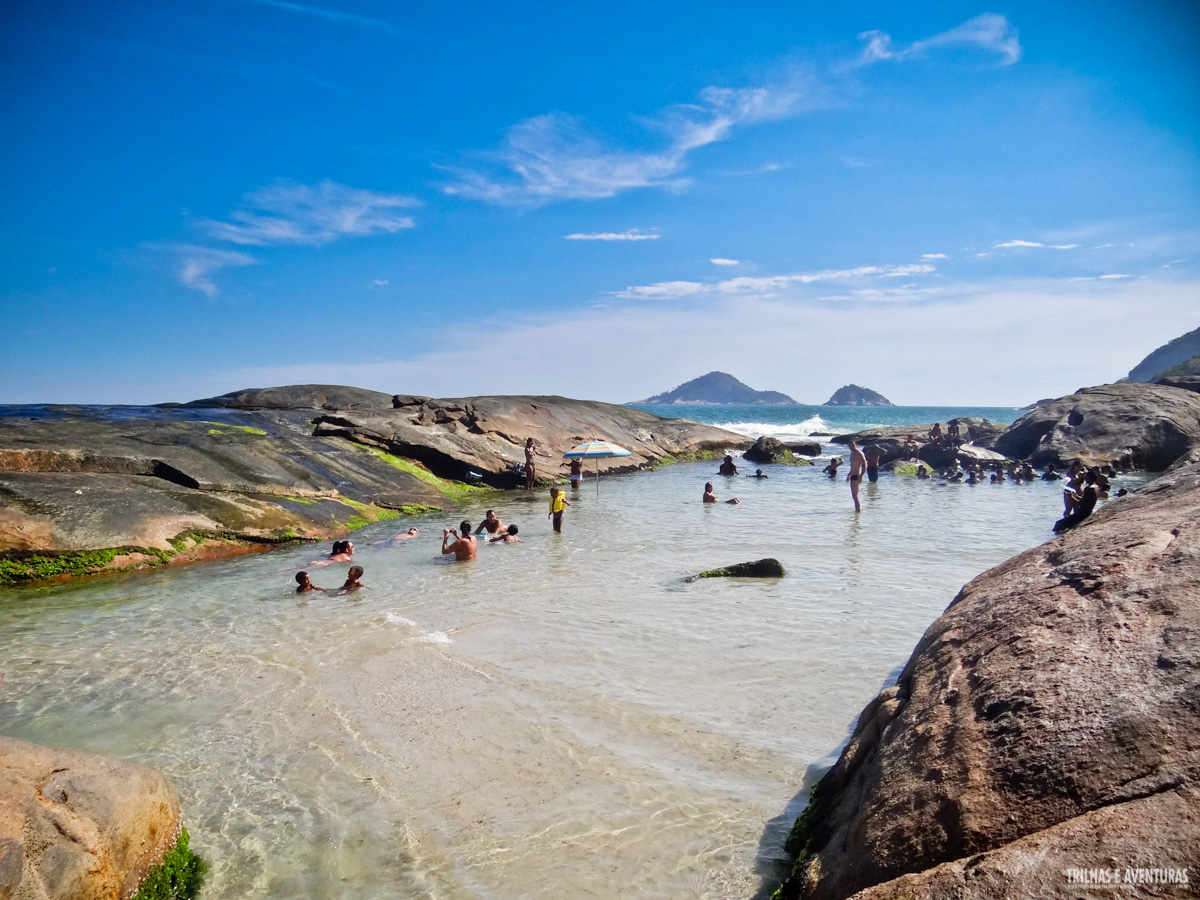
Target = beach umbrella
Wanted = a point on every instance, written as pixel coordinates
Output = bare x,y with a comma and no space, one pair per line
596,450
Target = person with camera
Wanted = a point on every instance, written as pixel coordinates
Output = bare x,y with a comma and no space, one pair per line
464,546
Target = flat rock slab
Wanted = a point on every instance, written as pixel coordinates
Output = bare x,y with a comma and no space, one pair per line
76,826
1051,713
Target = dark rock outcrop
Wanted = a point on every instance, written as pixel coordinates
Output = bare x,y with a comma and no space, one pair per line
1145,426
1172,353
892,441
96,488
1049,719
297,396
761,568
1181,382
76,826
853,395
805,448
772,450
718,388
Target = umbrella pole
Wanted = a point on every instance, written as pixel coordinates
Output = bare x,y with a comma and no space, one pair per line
597,478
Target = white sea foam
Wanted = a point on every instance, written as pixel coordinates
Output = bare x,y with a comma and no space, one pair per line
784,431
435,637
397,619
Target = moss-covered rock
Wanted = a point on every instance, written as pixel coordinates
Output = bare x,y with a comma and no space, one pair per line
179,877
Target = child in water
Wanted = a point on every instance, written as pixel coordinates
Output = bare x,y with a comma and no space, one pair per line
558,504
305,584
352,582
508,537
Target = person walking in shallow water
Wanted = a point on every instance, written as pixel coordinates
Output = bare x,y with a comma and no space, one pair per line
858,464
558,505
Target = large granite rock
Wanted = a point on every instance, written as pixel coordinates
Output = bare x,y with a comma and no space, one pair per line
76,826
772,450
148,485
1182,382
1172,353
1049,719
1146,426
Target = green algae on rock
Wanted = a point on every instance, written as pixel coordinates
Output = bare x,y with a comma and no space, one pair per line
178,877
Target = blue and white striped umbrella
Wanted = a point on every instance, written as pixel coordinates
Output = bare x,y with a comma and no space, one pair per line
596,450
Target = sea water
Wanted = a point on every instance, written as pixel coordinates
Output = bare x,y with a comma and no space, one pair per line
562,717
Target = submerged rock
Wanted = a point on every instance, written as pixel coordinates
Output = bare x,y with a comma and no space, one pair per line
1048,720
76,826
762,568
1146,426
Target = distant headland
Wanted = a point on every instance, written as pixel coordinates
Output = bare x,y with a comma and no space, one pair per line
719,388
853,395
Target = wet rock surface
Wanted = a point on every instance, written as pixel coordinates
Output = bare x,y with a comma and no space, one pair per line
76,826
1049,719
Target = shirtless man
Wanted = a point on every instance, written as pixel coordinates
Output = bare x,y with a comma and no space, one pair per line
464,546
831,469
491,523
727,467
873,456
710,497
858,464
576,467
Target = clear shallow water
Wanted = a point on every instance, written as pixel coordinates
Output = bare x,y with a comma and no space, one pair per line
561,717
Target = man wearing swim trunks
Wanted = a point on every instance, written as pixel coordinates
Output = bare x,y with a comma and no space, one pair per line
873,455
858,463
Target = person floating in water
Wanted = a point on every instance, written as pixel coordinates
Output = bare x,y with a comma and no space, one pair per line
558,505
727,467
576,466
491,523
710,497
758,473
858,464
509,536
831,469
464,546
1083,506
352,582
305,584
341,552
407,535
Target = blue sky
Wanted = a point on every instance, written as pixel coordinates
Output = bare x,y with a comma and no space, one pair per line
949,203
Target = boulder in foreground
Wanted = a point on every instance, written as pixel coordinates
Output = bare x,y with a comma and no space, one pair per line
76,826
1048,720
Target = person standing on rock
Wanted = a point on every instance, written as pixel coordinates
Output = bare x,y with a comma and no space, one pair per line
531,451
858,465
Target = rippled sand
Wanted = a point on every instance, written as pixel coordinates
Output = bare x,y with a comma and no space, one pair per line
562,717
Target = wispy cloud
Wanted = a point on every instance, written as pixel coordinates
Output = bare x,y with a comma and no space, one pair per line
989,31
380,282
1063,246
288,213
330,15
720,261
1113,277
632,234
933,256
1020,244
765,285
553,157
196,264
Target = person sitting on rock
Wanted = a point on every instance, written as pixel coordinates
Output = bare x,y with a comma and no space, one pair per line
306,585
727,467
1102,483
1084,505
352,582
953,435
508,537
758,473
911,446
935,433
710,497
831,469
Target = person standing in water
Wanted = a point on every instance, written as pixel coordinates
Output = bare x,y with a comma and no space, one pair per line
576,466
558,505
858,464
873,455
464,546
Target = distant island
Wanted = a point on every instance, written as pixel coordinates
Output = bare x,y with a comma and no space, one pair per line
853,395
719,388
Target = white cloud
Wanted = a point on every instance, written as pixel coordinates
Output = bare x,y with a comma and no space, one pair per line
879,344
196,264
380,282
1020,244
933,256
632,234
766,285
1114,277
721,261
988,32
1063,246
286,213
552,157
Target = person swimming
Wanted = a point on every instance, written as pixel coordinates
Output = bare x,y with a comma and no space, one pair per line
342,552
758,473
508,537
305,584
352,580
710,497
